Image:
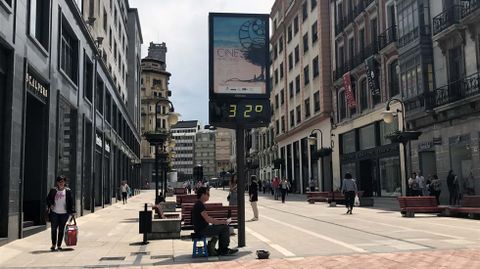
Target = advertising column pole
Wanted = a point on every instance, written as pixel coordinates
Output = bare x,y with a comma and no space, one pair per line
240,147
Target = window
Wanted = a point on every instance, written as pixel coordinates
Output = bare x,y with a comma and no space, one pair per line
307,107
306,75
315,67
87,78
105,20
99,90
295,25
299,114
292,118
342,108
316,101
305,43
297,54
110,38
367,137
289,34
290,61
108,107
277,127
363,91
297,84
282,97
280,45
305,10
276,76
393,76
281,70
276,101
39,21
69,52
283,124
275,52
361,38
313,4
314,32
290,89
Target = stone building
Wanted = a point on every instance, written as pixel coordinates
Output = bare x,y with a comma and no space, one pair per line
184,133
364,58
444,104
300,94
62,110
154,89
204,153
223,150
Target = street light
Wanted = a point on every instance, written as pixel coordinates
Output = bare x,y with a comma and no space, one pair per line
402,136
322,152
159,137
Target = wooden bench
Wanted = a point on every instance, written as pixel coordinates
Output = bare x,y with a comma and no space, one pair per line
317,196
328,197
178,191
470,204
186,198
409,205
214,210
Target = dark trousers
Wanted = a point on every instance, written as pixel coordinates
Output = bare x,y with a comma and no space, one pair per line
453,195
437,196
124,197
284,193
58,227
349,199
223,233
312,188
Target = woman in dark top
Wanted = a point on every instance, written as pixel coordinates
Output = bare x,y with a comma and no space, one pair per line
253,193
61,205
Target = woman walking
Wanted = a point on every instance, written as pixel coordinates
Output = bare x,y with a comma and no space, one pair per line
284,186
349,189
61,205
232,195
124,189
253,194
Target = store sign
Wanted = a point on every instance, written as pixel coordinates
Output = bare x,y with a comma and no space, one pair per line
425,146
372,75
98,140
36,88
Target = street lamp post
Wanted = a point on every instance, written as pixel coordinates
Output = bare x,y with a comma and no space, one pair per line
402,136
312,140
158,138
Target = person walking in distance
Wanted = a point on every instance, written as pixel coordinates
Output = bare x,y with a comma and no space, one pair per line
422,186
349,189
253,194
452,189
276,187
232,196
284,186
61,205
435,188
312,184
124,188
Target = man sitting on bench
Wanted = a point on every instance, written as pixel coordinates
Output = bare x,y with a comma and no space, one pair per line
201,220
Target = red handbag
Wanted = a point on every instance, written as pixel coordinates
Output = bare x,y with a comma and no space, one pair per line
71,232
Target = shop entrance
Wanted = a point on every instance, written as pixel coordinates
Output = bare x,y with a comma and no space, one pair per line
367,177
34,181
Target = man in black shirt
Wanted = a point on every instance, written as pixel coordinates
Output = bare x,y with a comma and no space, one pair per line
201,220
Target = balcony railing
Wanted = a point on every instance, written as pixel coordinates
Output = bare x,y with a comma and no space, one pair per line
387,37
359,59
457,90
447,18
469,6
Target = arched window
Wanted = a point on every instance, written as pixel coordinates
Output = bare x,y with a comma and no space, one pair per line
363,91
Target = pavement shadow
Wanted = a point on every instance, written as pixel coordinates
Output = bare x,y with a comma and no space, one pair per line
187,259
43,251
131,220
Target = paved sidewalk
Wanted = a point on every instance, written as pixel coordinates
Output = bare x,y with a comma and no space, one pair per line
109,238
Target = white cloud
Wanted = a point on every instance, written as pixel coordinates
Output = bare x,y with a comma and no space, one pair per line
183,26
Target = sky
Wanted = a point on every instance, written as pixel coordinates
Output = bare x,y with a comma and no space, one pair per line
183,26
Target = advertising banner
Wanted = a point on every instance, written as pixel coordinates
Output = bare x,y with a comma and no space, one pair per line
239,53
372,75
347,84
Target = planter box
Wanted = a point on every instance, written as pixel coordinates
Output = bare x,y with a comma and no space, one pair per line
168,228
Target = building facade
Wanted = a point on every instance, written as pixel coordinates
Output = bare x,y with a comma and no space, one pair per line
204,153
61,112
154,90
444,103
300,95
184,133
364,58
223,150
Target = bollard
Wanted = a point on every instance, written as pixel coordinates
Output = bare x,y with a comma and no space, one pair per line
145,223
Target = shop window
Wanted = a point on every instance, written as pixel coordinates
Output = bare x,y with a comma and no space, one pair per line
40,21
348,142
69,52
390,177
367,138
386,129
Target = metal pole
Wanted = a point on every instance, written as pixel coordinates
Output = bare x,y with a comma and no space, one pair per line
240,146
156,173
164,169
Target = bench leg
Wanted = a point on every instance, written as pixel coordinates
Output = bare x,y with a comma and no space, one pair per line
410,214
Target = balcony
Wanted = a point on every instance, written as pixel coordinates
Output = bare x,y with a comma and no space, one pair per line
469,7
388,37
447,18
457,90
